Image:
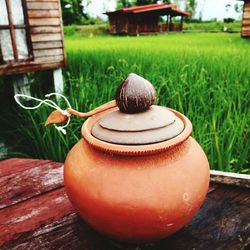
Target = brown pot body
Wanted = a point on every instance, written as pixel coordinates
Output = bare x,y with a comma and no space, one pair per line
134,197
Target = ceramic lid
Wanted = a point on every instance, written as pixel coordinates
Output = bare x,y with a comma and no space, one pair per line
136,121
154,125
132,150
154,117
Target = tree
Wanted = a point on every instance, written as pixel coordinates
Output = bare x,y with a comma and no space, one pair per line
238,7
190,7
143,2
73,12
124,4
129,3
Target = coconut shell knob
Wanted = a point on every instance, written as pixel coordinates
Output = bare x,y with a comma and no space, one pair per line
135,94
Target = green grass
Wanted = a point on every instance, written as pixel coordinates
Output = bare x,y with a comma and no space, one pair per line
86,30
213,26
203,75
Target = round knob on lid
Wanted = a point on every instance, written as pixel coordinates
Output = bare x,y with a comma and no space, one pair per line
135,94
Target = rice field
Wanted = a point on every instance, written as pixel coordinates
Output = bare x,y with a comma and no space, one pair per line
203,75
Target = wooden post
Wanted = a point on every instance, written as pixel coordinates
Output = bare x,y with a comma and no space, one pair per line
1,55
167,23
181,28
12,31
58,80
21,84
27,29
170,23
3,150
126,25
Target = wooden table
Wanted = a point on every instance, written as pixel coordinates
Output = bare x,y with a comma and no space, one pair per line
35,213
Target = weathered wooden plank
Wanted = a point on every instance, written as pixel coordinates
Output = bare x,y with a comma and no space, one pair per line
245,34
246,15
43,13
47,52
245,26
14,165
17,26
47,45
25,217
19,68
45,29
42,5
242,180
245,22
44,21
31,182
67,233
46,37
62,33
222,223
49,59
246,30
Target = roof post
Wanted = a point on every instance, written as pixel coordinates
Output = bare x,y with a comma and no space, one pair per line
181,27
170,23
167,23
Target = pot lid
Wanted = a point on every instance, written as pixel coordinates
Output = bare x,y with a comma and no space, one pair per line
137,121
132,150
157,124
154,117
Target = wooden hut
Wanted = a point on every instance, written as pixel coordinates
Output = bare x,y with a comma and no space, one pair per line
31,36
245,28
145,19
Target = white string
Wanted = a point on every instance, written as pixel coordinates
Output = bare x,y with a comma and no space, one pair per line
16,96
60,95
49,103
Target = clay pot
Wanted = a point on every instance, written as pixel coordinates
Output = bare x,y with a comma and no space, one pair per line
136,193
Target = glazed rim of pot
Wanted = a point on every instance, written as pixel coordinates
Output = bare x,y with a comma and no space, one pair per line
145,149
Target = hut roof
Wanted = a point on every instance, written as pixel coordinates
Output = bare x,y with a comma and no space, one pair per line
161,8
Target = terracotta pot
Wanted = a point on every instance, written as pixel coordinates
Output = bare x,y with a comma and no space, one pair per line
136,193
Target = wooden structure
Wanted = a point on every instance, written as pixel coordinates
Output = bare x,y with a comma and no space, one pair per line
245,28
35,213
145,19
31,36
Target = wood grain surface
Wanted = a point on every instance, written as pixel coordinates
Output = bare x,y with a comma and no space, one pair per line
44,29
36,214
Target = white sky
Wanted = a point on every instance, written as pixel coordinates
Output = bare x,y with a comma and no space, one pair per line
217,9
208,8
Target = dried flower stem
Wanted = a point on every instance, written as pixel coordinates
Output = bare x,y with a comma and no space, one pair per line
101,108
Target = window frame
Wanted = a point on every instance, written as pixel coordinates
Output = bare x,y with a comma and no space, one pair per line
12,27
